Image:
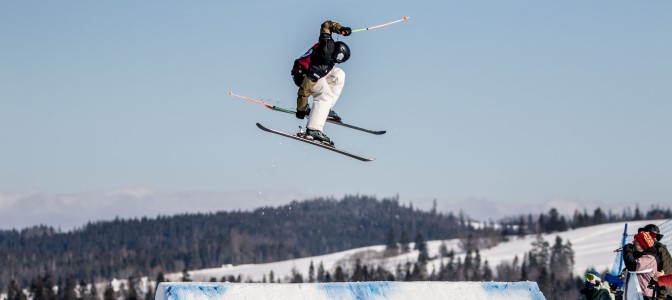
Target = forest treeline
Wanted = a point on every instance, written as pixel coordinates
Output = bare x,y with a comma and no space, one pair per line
123,248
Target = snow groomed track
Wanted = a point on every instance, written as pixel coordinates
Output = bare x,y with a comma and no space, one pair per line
349,290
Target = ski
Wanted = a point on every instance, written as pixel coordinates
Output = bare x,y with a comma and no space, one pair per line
289,111
312,142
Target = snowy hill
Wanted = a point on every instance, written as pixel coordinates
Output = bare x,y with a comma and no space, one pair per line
593,247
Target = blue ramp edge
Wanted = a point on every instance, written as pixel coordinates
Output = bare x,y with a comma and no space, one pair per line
179,291
357,290
426,290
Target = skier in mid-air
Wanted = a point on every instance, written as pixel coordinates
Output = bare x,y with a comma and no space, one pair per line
316,74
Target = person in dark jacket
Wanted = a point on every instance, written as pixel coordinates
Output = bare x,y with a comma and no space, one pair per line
593,289
316,74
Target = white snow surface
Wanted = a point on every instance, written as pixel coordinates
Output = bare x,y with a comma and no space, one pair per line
349,291
593,248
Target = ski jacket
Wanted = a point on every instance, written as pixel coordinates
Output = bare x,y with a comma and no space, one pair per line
318,60
665,265
646,260
594,294
646,266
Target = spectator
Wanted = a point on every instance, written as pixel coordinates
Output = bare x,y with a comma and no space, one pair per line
641,260
665,262
593,289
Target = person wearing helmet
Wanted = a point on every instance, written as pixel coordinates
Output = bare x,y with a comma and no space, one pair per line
316,74
593,288
665,261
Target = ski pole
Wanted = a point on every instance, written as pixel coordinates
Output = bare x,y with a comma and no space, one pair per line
271,106
405,18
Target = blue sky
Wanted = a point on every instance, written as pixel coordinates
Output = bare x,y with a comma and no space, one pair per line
513,102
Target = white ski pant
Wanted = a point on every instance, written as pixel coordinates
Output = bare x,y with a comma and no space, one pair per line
325,94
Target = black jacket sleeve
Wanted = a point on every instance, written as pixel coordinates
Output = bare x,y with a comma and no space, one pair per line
325,50
629,257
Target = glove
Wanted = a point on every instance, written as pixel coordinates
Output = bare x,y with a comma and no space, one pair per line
346,31
301,114
628,248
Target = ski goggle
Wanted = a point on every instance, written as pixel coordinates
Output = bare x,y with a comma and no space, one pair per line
590,277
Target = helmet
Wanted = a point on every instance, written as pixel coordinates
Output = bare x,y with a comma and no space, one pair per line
653,229
341,52
593,276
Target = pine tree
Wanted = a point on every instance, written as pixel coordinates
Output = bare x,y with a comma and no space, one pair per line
468,267
522,228
487,272
296,276
133,294
160,278
68,291
443,249
14,292
515,269
149,287
562,259
357,274
93,293
418,272
404,242
108,294
339,276
311,272
476,272
42,287
599,217
523,270
83,290
320,273
638,214
185,276
399,272
544,281
421,246
391,246
539,255
449,274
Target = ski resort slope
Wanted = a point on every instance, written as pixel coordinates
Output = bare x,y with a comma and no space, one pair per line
352,290
593,248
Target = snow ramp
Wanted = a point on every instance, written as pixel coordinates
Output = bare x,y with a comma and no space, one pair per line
349,290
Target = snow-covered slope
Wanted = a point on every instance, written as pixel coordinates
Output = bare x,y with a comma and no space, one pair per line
382,290
593,247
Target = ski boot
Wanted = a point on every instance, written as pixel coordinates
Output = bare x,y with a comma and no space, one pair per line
333,116
317,135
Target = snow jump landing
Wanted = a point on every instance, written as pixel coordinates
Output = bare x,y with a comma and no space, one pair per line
349,290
